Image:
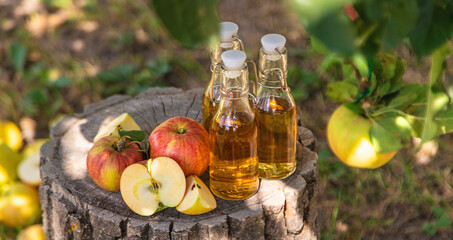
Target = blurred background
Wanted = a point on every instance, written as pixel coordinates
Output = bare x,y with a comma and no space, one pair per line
56,56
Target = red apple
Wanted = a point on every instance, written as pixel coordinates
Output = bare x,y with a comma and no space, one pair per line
106,161
183,140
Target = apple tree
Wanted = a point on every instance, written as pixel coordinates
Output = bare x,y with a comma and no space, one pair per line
360,35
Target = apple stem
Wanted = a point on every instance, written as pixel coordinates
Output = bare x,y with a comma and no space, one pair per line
181,130
121,145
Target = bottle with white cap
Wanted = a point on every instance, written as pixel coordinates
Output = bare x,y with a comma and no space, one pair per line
233,136
228,41
275,111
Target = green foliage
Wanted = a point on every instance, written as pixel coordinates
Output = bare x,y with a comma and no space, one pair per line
17,56
134,135
191,23
398,111
323,20
390,133
442,221
433,28
438,98
376,26
132,79
302,82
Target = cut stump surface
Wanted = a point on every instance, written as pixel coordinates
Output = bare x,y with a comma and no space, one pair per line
76,208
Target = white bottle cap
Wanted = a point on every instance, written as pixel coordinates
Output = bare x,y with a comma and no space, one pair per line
233,59
228,30
272,41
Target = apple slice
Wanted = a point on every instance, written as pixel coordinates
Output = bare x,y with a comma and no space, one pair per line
28,170
198,198
151,187
123,122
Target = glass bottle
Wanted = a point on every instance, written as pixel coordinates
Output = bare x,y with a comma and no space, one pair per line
275,111
233,134
211,97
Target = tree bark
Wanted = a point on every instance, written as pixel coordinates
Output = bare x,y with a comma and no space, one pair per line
74,207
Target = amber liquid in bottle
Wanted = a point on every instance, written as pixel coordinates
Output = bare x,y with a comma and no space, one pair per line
276,121
234,161
211,95
209,108
233,136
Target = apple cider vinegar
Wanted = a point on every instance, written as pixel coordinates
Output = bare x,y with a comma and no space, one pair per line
275,112
233,134
211,95
234,160
276,120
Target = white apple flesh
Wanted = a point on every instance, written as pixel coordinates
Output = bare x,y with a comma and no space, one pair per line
123,122
149,189
198,199
28,170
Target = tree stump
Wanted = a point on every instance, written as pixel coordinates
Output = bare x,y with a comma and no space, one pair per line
74,207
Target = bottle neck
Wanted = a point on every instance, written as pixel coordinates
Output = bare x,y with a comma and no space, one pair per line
234,83
223,46
272,68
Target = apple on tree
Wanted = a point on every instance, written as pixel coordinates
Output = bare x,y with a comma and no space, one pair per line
349,138
183,140
110,155
151,186
198,199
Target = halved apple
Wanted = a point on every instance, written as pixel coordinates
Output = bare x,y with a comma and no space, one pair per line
123,122
198,198
28,170
151,186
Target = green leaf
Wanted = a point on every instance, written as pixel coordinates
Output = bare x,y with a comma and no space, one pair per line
438,98
134,135
443,222
429,229
17,56
349,74
326,20
318,46
61,82
191,23
361,63
342,92
390,133
383,88
396,19
438,211
403,101
433,28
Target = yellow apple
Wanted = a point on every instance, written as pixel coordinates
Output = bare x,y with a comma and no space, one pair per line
150,186
9,160
10,134
198,198
33,232
349,138
123,122
19,205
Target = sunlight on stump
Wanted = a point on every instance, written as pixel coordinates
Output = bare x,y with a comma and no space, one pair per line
76,208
